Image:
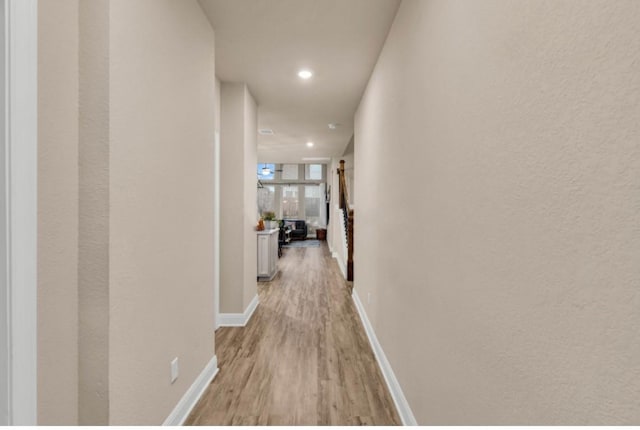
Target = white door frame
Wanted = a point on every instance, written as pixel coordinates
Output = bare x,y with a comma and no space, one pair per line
18,212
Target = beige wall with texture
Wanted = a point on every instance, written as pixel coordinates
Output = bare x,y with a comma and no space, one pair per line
510,134
127,112
161,177
94,222
232,223
238,199
250,198
58,212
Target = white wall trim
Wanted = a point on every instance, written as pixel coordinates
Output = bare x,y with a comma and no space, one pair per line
18,201
340,264
181,412
239,320
402,405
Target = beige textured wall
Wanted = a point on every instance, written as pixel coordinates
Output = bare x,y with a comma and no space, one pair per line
161,177
238,200
250,198
58,212
216,208
232,221
127,113
94,221
217,117
498,154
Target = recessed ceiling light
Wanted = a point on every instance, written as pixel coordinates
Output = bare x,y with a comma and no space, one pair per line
305,74
334,125
309,144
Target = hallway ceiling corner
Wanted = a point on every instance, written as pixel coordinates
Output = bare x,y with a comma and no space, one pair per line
265,43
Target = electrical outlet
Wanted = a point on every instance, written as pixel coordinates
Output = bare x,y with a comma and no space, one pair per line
174,370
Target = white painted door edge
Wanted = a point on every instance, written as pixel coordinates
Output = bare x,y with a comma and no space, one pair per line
18,239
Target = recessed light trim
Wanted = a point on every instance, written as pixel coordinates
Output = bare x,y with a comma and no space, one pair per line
305,74
309,144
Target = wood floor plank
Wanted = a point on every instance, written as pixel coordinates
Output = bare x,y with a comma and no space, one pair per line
303,359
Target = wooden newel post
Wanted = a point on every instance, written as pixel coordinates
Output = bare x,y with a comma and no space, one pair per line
341,185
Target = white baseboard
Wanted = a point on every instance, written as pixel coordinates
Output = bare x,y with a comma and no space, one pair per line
181,412
343,269
404,410
239,320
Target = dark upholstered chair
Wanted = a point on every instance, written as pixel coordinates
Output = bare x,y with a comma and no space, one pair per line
298,228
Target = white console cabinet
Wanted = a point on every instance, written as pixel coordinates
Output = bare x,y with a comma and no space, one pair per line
267,254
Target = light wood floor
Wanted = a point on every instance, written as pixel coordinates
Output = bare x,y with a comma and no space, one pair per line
303,359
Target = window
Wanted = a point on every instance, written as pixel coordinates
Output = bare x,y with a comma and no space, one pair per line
290,207
290,172
269,176
312,204
313,172
294,191
267,199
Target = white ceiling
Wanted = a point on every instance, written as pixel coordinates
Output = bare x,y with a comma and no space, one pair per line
265,42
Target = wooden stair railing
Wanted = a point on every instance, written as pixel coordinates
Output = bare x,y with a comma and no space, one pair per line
348,218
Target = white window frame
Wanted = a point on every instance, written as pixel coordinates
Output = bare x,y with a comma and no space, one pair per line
286,167
307,172
18,213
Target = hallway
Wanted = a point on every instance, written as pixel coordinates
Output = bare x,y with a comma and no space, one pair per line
303,359
491,154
